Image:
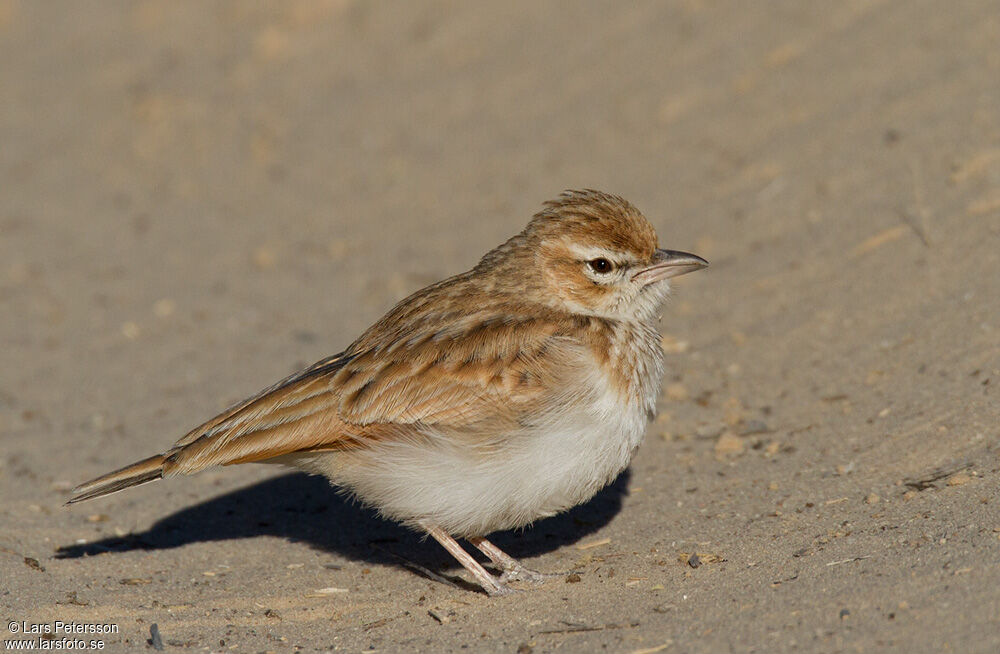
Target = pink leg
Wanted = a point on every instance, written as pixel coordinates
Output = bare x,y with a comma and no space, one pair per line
491,584
512,569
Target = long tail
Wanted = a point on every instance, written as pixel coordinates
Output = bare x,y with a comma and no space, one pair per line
140,472
298,414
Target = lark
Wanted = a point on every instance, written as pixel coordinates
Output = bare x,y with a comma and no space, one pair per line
484,402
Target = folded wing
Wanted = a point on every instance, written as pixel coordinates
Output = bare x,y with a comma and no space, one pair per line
476,376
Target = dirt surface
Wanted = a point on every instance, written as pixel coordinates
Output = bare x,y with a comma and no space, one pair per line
198,198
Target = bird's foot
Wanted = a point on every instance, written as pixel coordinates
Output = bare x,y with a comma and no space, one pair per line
521,573
499,588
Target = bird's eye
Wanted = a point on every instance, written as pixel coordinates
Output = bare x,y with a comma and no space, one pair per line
600,265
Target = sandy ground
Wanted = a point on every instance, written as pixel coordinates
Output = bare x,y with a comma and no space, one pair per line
198,198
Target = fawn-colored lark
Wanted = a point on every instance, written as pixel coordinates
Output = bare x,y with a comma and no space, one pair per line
496,397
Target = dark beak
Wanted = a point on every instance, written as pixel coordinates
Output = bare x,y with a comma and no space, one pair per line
669,263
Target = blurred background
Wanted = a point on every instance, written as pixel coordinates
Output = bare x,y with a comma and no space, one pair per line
197,198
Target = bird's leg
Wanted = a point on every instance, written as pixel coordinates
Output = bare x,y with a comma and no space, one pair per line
511,567
492,585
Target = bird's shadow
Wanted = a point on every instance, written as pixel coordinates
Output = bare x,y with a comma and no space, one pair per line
303,508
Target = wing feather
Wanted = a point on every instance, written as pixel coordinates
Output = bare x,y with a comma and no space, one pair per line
475,378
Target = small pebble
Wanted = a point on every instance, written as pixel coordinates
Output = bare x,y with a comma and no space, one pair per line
33,564
845,469
733,411
709,431
439,615
872,499
677,392
154,637
729,444
755,427
959,479
130,330
264,258
163,308
697,559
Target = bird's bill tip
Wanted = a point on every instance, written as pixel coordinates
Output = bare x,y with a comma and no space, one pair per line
670,263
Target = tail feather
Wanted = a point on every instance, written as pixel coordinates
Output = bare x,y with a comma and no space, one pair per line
140,472
296,414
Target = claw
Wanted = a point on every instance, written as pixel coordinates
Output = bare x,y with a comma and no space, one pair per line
521,573
501,589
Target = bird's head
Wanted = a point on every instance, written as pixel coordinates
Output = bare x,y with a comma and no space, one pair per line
597,255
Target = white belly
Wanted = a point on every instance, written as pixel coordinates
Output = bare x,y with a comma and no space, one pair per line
471,485
527,475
